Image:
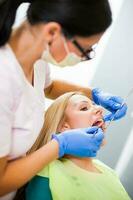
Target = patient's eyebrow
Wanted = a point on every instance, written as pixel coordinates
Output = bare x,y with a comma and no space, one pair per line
84,101
75,104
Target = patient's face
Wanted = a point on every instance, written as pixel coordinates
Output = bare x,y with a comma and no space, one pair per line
82,113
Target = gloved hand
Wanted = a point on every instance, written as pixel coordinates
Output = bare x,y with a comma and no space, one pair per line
111,103
79,142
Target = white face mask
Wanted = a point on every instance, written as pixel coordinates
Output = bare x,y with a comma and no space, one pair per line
70,60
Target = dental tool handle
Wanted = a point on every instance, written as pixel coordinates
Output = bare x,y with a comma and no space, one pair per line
124,101
114,115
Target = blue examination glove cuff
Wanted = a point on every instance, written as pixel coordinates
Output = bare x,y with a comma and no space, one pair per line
61,144
95,93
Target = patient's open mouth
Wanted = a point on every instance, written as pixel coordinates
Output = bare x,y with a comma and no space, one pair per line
100,123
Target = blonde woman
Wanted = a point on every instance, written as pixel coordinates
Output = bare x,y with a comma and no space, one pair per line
73,177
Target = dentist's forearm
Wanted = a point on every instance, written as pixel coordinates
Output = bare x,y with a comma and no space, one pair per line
20,171
59,87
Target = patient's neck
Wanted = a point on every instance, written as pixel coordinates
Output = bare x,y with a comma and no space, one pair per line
84,163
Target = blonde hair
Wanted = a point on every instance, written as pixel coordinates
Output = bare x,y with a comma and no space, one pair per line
54,117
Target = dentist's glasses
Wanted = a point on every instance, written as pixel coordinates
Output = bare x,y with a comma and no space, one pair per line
86,54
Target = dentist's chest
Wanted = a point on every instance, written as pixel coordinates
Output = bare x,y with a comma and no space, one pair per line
28,121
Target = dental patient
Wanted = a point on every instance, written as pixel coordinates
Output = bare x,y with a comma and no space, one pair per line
74,178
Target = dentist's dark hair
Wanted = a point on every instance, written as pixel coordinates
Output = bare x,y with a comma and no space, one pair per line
77,17
8,10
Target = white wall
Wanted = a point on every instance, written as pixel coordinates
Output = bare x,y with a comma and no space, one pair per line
115,74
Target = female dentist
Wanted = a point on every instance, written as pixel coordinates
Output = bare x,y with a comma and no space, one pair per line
57,31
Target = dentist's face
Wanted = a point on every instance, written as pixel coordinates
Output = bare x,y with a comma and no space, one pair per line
52,36
59,52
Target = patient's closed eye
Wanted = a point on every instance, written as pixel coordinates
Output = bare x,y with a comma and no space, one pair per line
84,108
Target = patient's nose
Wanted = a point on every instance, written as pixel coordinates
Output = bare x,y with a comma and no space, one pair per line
98,110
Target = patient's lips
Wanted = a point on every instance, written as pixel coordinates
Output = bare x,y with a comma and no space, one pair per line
100,123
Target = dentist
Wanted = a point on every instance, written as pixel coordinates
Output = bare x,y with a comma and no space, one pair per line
61,32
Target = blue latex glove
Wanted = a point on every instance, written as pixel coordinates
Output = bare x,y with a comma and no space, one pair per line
79,142
111,103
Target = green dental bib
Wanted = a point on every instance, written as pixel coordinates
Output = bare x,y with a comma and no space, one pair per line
69,182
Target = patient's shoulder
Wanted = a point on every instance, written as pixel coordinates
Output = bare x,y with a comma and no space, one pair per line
104,167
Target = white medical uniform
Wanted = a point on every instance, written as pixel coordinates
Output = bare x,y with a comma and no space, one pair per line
21,106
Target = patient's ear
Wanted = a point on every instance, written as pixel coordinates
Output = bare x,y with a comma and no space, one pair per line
64,127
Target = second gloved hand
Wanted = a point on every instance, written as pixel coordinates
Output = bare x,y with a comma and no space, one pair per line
79,142
111,103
